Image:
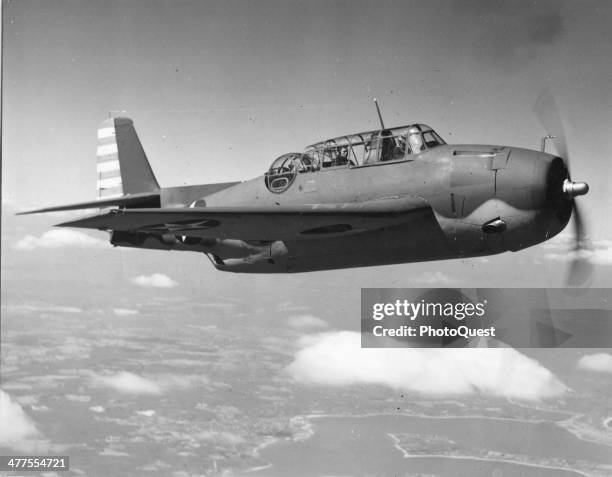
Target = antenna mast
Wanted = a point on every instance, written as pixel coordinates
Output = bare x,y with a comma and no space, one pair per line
382,125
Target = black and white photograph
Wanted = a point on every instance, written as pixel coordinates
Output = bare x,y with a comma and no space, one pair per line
306,238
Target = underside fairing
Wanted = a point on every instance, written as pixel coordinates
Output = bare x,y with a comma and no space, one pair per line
401,244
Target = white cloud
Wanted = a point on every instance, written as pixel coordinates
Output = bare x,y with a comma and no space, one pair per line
77,398
97,409
431,278
129,383
596,251
18,431
27,399
600,362
124,312
156,280
41,308
108,451
306,321
58,238
337,359
172,381
146,413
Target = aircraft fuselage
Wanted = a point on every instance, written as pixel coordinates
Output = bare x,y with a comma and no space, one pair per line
483,200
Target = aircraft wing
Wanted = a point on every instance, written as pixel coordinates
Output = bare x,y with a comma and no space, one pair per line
262,223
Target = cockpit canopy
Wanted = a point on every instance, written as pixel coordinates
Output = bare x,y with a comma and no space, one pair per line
396,144
400,143
283,170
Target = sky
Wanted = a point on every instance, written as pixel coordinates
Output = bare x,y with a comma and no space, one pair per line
217,91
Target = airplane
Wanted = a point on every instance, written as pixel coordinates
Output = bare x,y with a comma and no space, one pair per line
385,196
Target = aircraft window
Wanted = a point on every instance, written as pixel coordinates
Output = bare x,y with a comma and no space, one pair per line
359,149
432,139
385,146
399,149
307,164
336,154
328,160
283,170
395,144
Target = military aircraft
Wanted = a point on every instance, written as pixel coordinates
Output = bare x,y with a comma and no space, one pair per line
391,195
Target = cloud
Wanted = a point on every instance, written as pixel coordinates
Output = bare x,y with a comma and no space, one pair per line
27,399
108,451
172,381
336,359
124,312
18,431
59,238
97,409
27,308
306,321
129,383
598,252
600,362
432,278
77,397
157,280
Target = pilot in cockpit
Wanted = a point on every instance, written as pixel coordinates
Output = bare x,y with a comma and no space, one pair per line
342,159
400,149
415,141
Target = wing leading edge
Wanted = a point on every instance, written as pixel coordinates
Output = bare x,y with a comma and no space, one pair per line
261,223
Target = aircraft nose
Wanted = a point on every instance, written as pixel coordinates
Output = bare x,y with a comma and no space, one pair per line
573,189
561,192
559,186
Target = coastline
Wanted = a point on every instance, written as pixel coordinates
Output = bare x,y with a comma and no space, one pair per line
307,431
407,455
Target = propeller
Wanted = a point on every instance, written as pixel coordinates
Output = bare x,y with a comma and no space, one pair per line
547,113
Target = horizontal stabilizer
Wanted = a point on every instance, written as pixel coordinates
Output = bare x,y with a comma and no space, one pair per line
261,223
143,200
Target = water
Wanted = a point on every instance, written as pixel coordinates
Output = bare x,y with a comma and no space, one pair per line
367,446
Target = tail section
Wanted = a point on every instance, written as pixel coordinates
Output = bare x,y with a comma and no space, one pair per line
122,167
125,177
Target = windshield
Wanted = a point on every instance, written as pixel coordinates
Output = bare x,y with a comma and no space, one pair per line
283,170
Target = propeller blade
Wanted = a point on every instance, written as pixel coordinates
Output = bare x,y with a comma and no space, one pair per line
546,111
578,226
581,267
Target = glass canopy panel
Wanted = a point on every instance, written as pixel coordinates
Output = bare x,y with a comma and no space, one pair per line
283,170
375,146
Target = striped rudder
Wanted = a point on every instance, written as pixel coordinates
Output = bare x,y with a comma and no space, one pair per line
108,168
123,167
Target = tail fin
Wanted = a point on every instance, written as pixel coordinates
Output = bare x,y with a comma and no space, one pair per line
122,165
125,177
